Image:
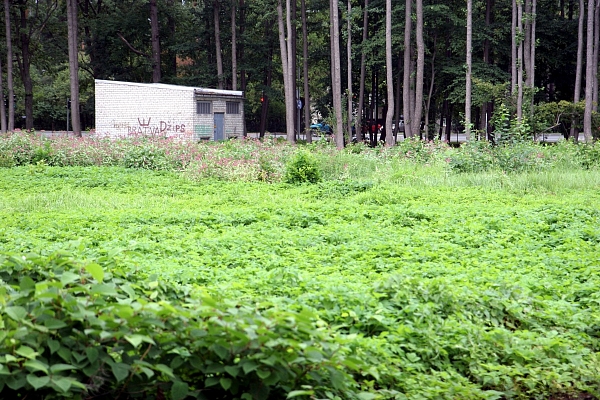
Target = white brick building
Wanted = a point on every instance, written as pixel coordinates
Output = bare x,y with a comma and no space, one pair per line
127,108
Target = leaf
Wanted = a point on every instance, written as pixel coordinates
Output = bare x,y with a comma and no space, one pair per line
296,393
165,370
64,384
69,277
16,312
233,371
225,383
92,354
263,374
96,271
103,289
27,352
53,323
53,345
36,365
136,339
120,371
61,367
367,396
179,390
37,381
26,284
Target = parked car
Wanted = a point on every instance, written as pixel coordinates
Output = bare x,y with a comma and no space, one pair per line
321,127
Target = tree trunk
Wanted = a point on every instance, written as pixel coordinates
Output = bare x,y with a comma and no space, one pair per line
589,73
398,103
595,66
219,55
233,47
416,123
283,47
291,66
25,67
513,50
520,63
2,105
73,65
337,74
361,90
155,41
574,133
430,94
527,42
307,131
469,66
267,83
349,66
9,69
389,76
406,96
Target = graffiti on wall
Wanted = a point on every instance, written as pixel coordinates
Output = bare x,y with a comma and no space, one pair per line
146,126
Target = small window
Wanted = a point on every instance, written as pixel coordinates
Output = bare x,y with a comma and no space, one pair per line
233,107
203,107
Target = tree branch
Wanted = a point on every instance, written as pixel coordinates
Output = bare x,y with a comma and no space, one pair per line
131,47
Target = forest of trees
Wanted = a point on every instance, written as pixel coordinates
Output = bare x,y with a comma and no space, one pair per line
486,67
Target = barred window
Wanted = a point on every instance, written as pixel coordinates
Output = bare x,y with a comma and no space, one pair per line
203,107
232,107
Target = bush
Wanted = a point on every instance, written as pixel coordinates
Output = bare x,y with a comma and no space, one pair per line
72,330
302,168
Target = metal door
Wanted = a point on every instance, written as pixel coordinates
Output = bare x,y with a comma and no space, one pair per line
219,126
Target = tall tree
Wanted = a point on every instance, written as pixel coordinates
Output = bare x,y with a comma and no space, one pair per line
519,61
389,117
589,72
219,55
349,67
233,47
155,39
361,90
306,89
9,68
73,65
285,47
406,96
336,78
416,122
469,67
2,105
513,49
578,69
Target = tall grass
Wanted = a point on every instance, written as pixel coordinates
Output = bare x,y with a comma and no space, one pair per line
519,166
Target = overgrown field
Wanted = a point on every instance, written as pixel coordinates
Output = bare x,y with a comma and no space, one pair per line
423,284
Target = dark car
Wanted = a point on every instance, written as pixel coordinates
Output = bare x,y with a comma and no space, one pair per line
321,127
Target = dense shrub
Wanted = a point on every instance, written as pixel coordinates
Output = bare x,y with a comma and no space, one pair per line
302,168
73,330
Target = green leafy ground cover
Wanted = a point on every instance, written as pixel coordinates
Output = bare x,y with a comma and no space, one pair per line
427,286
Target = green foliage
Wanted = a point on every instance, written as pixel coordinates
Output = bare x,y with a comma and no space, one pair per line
302,168
72,329
146,156
140,283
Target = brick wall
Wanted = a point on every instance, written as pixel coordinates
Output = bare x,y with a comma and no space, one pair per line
125,109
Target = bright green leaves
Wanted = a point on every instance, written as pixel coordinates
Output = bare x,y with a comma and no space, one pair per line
96,271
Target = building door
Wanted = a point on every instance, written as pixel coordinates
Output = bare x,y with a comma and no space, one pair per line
219,126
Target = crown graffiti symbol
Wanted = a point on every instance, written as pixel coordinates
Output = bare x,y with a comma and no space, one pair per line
143,122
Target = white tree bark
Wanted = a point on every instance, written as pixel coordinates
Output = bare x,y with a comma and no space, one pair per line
406,96
73,65
287,85
589,73
336,76
9,69
469,66
389,117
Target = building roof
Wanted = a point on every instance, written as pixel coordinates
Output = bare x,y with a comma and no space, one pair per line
197,90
